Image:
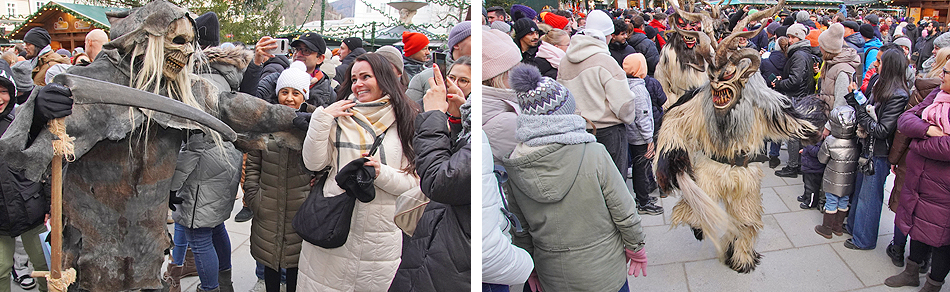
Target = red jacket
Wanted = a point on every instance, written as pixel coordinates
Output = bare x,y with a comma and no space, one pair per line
660,28
924,209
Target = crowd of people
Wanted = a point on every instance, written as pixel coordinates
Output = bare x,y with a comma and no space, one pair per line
389,111
557,81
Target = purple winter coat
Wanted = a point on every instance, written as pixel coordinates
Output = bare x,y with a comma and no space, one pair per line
924,209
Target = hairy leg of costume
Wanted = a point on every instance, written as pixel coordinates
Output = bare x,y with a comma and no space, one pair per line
744,204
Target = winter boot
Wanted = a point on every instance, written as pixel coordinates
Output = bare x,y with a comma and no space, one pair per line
173,277
838,227
896,253
931,285
224,281
826,222
909,277
188,267
789,172
198,289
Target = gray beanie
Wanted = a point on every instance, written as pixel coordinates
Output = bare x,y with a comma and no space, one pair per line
872,19
393,55
903,41
459,32
802,16
797,30
943,41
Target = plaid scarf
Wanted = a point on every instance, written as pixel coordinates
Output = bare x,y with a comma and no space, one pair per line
355,134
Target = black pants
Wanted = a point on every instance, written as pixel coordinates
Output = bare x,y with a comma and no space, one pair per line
614,138
940,260
272,279
642,176
813,183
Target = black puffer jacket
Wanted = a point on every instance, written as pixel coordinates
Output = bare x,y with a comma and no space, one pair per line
25,203
882,129
645,46
341,69
436,257
321,93
530,57
798,78
620,50
276,64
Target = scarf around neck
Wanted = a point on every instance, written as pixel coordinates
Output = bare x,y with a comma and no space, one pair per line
938,113
355,134
551,53
547,129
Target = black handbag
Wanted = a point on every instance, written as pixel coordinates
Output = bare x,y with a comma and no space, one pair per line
325,221
866,164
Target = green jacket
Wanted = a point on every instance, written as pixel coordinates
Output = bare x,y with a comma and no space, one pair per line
577,214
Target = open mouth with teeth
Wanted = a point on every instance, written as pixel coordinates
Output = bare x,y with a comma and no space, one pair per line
690,41
175,62
722,97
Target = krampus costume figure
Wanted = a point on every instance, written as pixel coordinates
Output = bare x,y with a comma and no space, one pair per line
116,191
680,68
708,137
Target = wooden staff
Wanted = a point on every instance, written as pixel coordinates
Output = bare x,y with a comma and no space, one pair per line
57,279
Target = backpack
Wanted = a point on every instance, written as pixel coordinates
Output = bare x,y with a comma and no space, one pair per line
864,58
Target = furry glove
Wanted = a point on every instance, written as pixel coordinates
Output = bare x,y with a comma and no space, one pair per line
533,283
637,260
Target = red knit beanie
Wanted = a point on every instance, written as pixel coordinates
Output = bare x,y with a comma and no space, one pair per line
413,42
555,20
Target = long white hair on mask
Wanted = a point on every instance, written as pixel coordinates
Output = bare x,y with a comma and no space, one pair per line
150,77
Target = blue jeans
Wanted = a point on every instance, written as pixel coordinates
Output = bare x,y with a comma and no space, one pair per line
773,148
865,216
212,249
488,287
835,203
181,245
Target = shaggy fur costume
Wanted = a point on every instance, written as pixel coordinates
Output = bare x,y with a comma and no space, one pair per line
706,159
116,191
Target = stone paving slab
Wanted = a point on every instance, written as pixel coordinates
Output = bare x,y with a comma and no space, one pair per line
669,277
772,203
882,288
785,270
771,237
788,195
666,246
871,266
800,228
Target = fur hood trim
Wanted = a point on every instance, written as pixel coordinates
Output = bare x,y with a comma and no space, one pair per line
236,57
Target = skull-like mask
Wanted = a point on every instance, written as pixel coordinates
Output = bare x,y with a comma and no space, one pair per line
179,46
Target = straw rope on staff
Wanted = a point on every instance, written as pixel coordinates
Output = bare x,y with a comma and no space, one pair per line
64,145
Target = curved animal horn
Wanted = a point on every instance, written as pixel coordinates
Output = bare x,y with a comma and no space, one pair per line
737,31
753,56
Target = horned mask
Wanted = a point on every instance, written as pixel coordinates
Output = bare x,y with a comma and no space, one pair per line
729,67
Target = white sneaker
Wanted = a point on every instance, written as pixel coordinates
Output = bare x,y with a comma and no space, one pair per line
259,286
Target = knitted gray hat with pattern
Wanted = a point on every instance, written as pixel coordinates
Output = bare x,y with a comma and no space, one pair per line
538,95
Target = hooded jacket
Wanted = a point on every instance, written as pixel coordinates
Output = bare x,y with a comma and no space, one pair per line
660,28
577,215
597,82
871,48
924,202
502,262
25,202
206,178
912,33
855,41
840,153
620,50
530,57
277,183
773,65
276,64
499,119
798,78
411,66
641,131
837,75
645,46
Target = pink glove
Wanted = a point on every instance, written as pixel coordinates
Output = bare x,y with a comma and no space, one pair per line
533,283
637,261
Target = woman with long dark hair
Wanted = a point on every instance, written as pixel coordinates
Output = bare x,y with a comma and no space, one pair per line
878,117
371,103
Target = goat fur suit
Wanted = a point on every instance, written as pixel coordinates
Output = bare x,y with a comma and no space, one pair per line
706,159
116,191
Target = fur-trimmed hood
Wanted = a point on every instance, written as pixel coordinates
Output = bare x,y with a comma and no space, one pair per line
236,57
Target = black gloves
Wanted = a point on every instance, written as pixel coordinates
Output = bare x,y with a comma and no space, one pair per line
302,121
173,199
53,101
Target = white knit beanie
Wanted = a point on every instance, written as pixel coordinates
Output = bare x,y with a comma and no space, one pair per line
600,21
295,77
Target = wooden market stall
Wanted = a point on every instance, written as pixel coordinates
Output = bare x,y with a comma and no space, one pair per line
67,23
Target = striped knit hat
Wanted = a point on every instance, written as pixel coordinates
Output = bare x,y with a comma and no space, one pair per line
538,95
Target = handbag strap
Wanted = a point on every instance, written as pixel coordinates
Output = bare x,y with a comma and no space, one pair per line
502,175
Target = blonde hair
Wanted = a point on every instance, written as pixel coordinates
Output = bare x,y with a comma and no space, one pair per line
554,36
499,81
940,60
